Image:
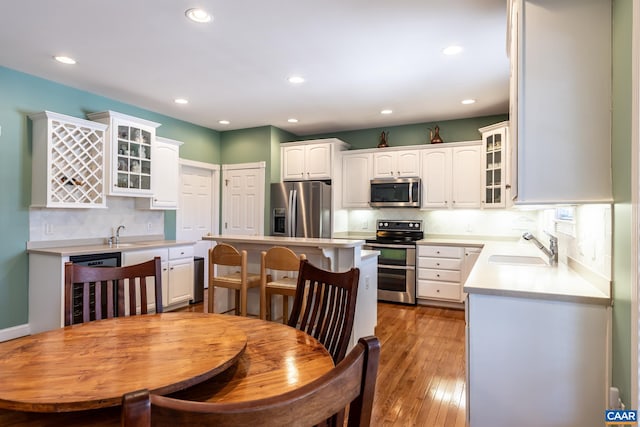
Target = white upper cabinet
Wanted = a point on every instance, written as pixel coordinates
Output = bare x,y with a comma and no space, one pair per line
561,100
496,175
309,160
356,178
166,157
465,179
68,162
129,153
451,177
396,164
436,178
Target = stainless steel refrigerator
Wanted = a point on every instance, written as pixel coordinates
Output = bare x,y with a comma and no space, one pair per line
301,209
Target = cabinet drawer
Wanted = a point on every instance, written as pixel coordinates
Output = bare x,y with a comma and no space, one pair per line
136,257
440,251
435,290
440,263
444,275
181,252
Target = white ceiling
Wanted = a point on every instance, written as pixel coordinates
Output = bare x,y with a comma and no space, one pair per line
358,57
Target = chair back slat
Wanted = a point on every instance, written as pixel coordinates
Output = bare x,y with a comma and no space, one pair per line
103,281
351,383
324,306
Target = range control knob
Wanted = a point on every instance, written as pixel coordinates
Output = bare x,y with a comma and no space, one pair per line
386,224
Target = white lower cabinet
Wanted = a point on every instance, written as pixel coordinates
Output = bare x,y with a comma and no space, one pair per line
180,281
442,271
177,274
536,362
439,272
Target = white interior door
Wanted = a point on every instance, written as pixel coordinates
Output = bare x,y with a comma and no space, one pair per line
243,199
198,207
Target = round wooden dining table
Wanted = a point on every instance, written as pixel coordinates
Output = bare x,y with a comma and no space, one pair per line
90,365
277,359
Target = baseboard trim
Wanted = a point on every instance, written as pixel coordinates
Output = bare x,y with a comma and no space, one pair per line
14,332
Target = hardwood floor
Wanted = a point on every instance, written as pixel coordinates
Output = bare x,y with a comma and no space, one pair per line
421,378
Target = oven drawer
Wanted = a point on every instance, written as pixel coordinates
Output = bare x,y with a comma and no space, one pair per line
438,275
438,290
440,263
440,251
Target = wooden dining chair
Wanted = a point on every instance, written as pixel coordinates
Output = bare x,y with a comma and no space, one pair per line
278,259
240,281
99,292
325,306
351,383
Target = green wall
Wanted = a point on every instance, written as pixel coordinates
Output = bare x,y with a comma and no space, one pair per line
20,95
622,219
415,134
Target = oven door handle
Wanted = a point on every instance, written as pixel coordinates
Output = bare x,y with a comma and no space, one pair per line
397,267
384,245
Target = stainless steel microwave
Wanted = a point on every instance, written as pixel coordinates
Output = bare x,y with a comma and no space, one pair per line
395,193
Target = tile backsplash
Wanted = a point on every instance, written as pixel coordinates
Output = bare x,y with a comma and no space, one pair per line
66,224
586,238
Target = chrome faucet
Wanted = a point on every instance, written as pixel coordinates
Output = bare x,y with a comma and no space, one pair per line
120,227
552,252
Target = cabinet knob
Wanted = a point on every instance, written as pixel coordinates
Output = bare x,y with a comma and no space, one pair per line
507,186
438,264
437,275
438,290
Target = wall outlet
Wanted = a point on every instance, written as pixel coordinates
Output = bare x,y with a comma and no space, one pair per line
48,229
149,226
364,225
367,282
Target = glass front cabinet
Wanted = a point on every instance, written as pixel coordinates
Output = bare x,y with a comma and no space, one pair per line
129,140
495,175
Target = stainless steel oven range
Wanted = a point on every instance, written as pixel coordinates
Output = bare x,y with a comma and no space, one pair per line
396,242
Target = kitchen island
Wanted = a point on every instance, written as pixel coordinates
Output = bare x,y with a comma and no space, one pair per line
538,340
330,254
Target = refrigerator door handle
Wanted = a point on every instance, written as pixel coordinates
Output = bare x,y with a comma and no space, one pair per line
291,221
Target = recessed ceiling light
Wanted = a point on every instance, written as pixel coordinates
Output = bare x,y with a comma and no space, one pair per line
468,101
65,60
224,122
296,79
181,101
200,16
292,120
452,50
386,111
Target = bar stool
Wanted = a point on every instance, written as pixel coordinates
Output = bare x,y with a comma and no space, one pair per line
240,280
278,258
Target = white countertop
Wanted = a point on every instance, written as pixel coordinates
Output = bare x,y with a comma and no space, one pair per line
288,241
97,246
559,282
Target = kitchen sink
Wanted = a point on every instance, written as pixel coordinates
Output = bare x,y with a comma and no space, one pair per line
518,260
